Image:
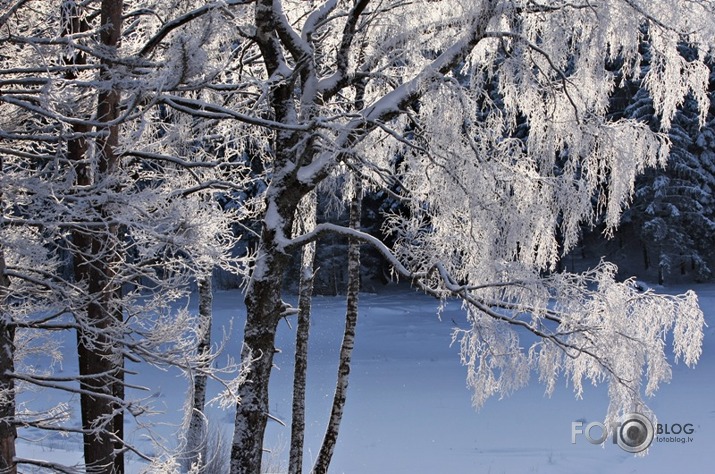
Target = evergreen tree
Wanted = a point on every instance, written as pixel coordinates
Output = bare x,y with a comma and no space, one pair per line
673,212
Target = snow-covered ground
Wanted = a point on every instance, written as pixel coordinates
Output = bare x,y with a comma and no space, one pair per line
409,411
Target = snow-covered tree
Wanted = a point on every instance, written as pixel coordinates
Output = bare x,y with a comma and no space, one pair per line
483,210
108,216
673,209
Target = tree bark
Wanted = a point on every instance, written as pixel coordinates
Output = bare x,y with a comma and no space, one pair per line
8,430
351,317
307,273
264,309
196,438
95,257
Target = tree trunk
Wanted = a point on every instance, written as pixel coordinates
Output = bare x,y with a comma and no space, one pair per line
100,365
264,309
297,433
108,111
196,438
96,367
8,431
351,317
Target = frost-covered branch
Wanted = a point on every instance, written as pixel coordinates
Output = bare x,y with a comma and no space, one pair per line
297,46
394,102
214,111
178,22
330,85
564,79
590,328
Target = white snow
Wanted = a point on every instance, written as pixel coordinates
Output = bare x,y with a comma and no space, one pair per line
408,407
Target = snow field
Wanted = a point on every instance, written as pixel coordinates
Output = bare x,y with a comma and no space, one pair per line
408,408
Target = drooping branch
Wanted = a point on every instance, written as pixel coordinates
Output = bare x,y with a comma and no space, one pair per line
437,281
565,81
327,227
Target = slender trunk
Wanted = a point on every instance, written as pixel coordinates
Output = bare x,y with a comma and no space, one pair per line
560,241
351,317
8,431
196,437
297,433
118,393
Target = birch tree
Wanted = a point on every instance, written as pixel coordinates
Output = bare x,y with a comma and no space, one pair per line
332,430
484,208
305,223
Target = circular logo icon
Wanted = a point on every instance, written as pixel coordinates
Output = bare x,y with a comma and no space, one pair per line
635,433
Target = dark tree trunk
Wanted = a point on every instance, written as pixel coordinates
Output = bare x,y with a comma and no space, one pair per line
346,349
97,368
8,431
100,366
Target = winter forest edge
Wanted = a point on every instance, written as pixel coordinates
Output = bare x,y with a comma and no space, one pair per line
503,154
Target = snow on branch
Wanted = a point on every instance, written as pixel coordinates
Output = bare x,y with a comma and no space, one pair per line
170,26
327,227
214,111
393,103
588,326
